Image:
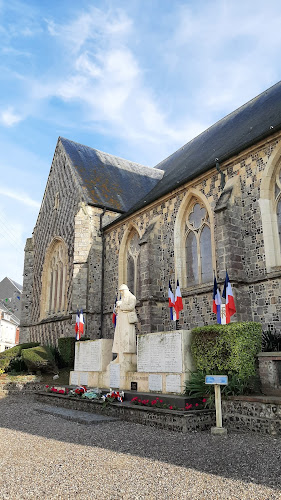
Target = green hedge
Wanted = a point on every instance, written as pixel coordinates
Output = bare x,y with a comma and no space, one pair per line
230,349
66,346
6,357
39,358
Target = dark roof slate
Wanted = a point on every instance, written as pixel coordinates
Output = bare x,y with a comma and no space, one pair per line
242,128
109,181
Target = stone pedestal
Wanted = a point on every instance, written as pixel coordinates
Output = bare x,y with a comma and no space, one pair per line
270,373
162,364
92,358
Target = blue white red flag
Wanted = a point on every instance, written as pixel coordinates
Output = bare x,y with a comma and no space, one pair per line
81,326
77,323
178,301
114,312
217,301
171,303
227,294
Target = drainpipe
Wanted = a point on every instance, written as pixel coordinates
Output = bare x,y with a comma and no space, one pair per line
101,233
221,173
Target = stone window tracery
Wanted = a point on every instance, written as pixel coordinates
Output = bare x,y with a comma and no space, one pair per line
198,248
53,299
277,202
133,262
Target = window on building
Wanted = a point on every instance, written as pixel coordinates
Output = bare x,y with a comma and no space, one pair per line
278,202
133,263
54,279
198,246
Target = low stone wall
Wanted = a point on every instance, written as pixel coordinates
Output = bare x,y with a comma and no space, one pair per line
19,385
258,414
172,420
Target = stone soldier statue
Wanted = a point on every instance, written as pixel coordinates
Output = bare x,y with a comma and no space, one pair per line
125,334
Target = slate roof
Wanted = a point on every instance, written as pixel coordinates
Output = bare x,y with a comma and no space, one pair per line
11,290
14,318
255,120
109,181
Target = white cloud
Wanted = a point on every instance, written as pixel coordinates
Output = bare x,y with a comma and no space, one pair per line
8,117
20,197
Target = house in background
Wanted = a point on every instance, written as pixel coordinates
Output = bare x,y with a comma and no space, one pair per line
10,296
10,309
9,329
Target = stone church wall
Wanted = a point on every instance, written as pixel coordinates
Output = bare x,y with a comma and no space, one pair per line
56,218
238,246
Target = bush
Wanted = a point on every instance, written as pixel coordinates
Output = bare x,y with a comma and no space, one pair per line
66,346
39,359
6,357
196,386
227,349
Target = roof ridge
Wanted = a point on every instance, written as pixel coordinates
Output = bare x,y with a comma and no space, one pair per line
107,154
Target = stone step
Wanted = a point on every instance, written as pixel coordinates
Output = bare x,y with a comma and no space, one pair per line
81,417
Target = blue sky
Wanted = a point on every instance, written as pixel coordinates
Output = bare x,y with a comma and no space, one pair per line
135,78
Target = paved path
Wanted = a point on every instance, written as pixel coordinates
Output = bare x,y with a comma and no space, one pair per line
43,456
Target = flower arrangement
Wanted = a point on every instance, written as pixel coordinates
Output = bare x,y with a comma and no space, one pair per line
57,390
159,403
113,397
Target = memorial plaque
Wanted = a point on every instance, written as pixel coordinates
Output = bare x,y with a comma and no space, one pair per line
74,378
114,379
84,378
173,383
88,356
161,352
134,386
155,383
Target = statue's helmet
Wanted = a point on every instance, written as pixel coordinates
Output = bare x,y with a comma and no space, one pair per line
123,287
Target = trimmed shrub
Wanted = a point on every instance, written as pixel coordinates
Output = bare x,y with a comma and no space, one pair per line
39,359
66,346
6,357
229,349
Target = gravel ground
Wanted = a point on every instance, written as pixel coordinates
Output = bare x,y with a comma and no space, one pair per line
46,457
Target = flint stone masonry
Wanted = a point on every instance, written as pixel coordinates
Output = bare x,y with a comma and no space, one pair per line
253,414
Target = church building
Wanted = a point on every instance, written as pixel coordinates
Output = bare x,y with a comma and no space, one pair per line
214,204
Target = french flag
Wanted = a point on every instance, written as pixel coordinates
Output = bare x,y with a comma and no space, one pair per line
217,302
77,323
114,312
229,300
178,301
81,326
171,302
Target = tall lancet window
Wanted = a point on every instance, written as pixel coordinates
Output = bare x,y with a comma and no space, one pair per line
133,263
198,246
53,299
278,202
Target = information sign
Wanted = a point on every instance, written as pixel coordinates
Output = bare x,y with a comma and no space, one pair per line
216,379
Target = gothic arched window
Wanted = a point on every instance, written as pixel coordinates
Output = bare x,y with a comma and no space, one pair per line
198,248
133,262
53,299
278,202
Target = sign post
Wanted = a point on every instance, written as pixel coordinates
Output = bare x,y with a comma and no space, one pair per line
217,381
